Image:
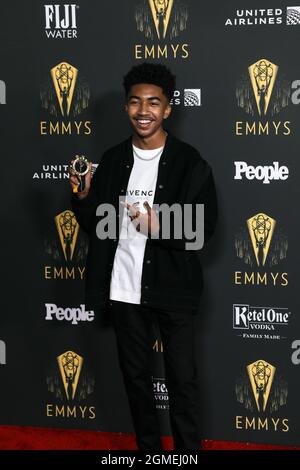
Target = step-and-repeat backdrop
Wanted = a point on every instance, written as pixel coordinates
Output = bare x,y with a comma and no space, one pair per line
238,101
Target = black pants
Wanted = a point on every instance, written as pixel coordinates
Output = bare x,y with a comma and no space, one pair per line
133,326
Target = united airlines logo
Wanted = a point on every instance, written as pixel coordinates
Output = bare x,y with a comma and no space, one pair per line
189,97
293,16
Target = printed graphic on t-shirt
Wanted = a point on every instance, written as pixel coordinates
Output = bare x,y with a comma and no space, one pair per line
128,263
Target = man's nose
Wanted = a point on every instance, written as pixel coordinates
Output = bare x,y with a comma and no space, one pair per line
143,107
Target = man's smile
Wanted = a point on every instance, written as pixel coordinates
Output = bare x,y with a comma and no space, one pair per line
143,123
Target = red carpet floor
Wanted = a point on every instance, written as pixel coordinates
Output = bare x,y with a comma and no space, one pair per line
28,438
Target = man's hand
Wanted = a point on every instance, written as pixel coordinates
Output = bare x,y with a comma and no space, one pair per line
75,181
146,223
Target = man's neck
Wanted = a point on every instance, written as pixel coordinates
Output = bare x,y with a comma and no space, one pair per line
150,143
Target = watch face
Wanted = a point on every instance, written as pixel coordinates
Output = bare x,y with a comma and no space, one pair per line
80,166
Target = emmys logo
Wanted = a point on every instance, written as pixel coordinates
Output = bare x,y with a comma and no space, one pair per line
62,248
68,383
2,352
189,97
64,78
66,96
252,321
261,376
263,75
260,392
2,92
61,21
160,393
161,11
258,245
261,173
67,228
261,92
161,21
72,315
296,352
292,16
261,228
70,365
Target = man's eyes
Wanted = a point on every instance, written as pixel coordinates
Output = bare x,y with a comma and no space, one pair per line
152,103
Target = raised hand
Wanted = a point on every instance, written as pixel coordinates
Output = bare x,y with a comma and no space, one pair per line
146,223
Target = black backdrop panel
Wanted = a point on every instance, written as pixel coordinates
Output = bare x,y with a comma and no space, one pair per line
237,102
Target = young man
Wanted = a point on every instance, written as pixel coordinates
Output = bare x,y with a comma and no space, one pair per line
141,273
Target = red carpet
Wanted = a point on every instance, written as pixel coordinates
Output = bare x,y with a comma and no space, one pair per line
28,438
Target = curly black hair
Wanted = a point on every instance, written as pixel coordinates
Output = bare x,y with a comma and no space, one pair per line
154,74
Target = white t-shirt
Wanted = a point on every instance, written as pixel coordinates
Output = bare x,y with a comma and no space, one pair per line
125,285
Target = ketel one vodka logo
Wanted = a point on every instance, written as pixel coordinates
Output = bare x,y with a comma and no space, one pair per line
264,245
161,21
260,322
263,94
65,96
67,228
261,375
261,391
70,365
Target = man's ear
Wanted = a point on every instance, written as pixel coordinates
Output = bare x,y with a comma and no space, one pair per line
126,108
167,111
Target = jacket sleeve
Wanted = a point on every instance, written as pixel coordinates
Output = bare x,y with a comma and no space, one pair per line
85,209
201,191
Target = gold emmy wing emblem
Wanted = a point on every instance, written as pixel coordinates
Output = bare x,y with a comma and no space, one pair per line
70,365
263,75
67,228
261,375
64,77
261,228
161,11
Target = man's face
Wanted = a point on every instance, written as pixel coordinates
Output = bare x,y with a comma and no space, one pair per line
147,107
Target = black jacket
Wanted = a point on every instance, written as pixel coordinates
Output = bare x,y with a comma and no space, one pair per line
172,275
